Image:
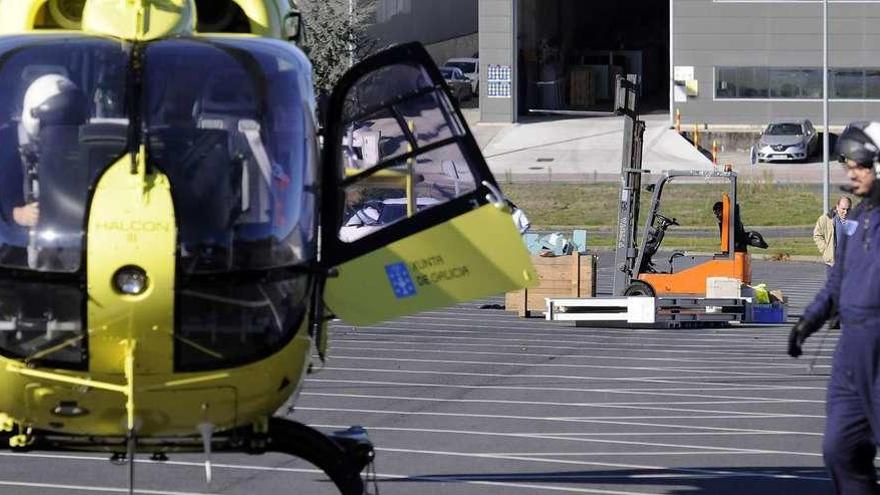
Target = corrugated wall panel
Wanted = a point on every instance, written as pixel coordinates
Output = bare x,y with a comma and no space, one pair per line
712,34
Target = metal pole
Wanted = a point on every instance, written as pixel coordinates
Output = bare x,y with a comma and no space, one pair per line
826,172
671,64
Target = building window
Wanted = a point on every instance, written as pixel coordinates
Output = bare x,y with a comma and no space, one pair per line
847,83
768,82
796,83
855,83
390,8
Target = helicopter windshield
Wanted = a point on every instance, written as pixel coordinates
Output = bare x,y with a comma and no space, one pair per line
63,122
233,129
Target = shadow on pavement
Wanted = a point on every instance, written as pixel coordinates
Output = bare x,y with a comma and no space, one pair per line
678,481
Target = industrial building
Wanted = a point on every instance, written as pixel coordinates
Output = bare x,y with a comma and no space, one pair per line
719,62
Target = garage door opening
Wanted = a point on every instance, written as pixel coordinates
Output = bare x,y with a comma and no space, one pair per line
569,52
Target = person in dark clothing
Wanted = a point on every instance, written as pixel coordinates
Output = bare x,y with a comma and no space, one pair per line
852,427
740,236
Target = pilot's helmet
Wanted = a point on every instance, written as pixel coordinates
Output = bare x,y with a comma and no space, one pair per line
860,143
52,99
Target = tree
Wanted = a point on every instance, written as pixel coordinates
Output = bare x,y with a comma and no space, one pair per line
335,36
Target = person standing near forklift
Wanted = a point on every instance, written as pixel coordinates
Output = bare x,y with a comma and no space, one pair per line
852,427
830,227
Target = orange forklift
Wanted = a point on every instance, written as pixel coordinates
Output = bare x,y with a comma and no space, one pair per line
637,272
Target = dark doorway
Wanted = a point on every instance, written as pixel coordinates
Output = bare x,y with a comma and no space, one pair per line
569,52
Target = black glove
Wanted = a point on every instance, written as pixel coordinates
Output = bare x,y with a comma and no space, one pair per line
799,333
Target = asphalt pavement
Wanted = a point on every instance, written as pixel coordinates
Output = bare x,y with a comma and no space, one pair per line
471,400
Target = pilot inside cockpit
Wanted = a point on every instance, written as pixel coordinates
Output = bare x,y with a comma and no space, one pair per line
52,111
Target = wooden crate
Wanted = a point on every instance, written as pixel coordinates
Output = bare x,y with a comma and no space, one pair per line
581,91
561,276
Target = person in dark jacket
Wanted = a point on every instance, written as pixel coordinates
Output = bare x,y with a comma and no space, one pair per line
852,426
741,238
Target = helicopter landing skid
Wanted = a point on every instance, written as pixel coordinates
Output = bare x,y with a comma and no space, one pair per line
342,456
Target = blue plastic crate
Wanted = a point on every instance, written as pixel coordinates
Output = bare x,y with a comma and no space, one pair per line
766,313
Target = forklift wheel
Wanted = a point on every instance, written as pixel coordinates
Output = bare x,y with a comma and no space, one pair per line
639,288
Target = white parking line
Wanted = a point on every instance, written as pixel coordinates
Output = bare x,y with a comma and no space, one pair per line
604,421
550,456
660,392
704,351
596,405
380,476
644,342
603,464
615,453
575,437
474,481
702,369
398,350
512,324
91,488
642,379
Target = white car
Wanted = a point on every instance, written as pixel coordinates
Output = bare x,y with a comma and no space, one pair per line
374,215
471,69
788,140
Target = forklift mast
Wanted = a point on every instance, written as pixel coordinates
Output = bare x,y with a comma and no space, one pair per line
626,250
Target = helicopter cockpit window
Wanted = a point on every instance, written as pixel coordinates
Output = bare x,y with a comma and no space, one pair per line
400,154
63,123
232,131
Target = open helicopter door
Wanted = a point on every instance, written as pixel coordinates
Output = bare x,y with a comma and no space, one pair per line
411,216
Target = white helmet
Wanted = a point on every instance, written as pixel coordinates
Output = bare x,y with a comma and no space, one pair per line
52,99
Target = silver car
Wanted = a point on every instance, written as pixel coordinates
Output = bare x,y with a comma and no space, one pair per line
458,83
787,140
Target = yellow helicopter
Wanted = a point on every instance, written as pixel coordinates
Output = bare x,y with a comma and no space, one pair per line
175,235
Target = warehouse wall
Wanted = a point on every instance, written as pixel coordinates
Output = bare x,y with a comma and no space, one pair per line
497,21
780,34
